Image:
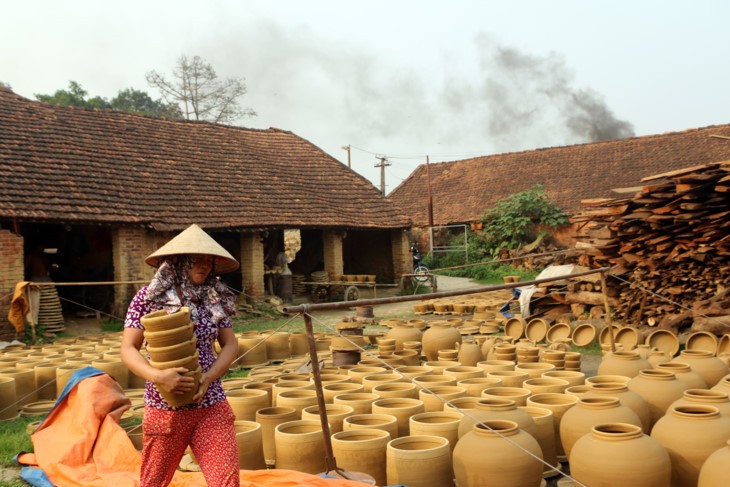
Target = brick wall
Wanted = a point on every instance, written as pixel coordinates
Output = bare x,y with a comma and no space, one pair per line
130,247
333,262
11,272
252,265
401,251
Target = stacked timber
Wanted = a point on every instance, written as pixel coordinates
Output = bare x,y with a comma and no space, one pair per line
669,246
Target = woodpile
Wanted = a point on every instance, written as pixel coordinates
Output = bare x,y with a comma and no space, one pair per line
668,245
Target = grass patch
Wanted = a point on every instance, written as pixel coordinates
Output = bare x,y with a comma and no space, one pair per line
111,325
14,483
592,349
14,439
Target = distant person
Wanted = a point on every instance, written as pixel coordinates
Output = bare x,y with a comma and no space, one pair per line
186,276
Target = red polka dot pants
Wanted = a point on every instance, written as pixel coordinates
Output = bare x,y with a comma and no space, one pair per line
210,434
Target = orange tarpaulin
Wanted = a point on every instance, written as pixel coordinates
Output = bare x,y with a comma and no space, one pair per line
80,443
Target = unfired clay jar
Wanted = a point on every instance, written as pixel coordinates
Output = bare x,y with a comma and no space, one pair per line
269,419
559,404
8,408
419,461
715,472
439,336
684,373
628,364
589,412
385,422
489,409
336,414
658,389
249,438
404,333
401,408
691,434
469,354
544,433
245,402
708,397
620,454
711,368
483,457
435,397
362,450
627,398
162,320
300,446
438,423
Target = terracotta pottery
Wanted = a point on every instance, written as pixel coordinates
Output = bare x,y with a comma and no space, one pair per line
277,346
439,336
711,368
409,357
509,378
469,354
627,398
361,402
178,400
559,404
496,365
604,338
419,461
657,357
190,363
385,422
166,338
412,371
629,337
404,333
437,423
331,390
691,434
461,372
401,408
245,403
558,331
433,380
589,412
435,397
716,469
538,386
25,386
628,364
664,340
475,386
608,379
396,389
267,387
659,389
8,407
536,329
584,334
358,373
336,414
300,446
362,450
461,404
578,391
162,320
515,327
574,378
249,438
544,433
297,399
723,385
115,368
484,457
490,409
298,345
534,370
269,419
620,454
707,397
251,351
289,385
517,394
370,381
702,340
45,379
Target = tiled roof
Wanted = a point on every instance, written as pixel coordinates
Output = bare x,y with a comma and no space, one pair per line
463,190
63,164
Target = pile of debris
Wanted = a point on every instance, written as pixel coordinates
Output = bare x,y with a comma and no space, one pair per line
669,246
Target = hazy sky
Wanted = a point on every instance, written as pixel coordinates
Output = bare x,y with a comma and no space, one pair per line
401,78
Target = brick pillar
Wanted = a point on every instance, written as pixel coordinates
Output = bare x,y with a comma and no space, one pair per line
401,251
252,265
332,242
11,272
130,246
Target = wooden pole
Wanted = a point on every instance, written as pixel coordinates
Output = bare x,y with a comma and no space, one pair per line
608,311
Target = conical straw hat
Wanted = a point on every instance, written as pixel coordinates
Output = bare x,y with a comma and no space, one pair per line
194,240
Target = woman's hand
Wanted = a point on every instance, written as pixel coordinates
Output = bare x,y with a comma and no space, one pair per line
205,380
172,380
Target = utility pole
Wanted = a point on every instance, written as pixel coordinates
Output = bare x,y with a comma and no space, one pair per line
382,164
430,199
349,161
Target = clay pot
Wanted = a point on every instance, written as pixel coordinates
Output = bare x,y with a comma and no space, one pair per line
190,363
534,370
627,398
469,354
608,379
711,368
430,381
461,404
245,403
358,373
25,387
517,394
691,434
657,357
435,397
483,457
664,340
707,397
297,399
160,320
267,387
628,364
45,379
578,391
408,357
8,407
331,390
589,412
536,329
659,389
277,346
412,371
437,423
490,409
288,385
361,402
702,340
461,372
115,368
574,378
515,327
298,344
496,365
475,386
370,381
509,378
419,461
385,422
559,404
249,438
300,446
583,335
396,389
620,454
558,331
538,386
629,337
544,433
362,450
336,414
251,351
173,336
723,385
269,419
439,336
716,469
401,408
178,400
404,333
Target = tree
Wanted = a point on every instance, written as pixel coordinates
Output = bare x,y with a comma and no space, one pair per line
128,100
195,86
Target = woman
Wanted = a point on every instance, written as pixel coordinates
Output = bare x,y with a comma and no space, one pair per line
187,266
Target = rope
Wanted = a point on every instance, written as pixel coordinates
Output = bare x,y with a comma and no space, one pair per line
462,411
